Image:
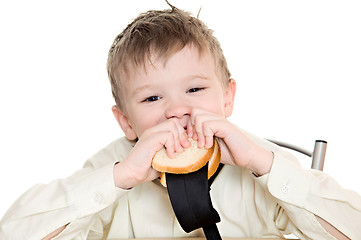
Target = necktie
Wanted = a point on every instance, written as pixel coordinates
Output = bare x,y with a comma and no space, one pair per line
191,201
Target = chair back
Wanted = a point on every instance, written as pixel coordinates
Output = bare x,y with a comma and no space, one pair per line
318,154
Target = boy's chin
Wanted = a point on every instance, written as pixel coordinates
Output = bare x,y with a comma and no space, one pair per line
132,141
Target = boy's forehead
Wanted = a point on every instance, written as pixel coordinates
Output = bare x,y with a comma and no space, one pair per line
155,60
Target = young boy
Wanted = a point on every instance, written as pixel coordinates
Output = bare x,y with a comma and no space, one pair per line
170,82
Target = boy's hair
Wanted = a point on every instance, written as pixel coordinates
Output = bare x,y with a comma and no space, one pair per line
160,34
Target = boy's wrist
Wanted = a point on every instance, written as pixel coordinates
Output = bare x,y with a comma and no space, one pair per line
121,178
261,162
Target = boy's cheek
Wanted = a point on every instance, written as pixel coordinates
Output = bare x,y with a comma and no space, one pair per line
146,121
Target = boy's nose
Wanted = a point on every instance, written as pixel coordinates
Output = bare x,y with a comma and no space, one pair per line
178,109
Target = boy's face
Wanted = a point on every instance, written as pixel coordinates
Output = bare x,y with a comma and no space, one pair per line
171,90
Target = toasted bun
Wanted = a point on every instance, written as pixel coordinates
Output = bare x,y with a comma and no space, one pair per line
190,160
215,159
213,155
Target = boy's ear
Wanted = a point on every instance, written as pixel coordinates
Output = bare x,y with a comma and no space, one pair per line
124,123
229,97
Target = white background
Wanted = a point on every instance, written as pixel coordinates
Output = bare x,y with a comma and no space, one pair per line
297,64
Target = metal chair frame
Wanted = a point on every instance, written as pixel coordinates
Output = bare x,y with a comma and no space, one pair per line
318,155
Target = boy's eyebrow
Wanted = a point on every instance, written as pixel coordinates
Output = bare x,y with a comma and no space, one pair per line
141,88
191,77
145,86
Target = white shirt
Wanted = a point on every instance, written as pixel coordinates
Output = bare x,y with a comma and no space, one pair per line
282,202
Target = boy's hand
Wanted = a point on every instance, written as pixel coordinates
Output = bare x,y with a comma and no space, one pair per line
236,147
137,167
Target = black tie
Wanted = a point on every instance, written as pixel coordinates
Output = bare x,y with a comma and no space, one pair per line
191,201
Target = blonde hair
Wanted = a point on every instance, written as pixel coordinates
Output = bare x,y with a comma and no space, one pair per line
162,33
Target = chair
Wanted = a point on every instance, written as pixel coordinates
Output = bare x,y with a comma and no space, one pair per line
318,155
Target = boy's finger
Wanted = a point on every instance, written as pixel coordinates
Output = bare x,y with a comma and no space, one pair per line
195,137
208,135
198,129
201,139
189,129
177,147
181,138
170,145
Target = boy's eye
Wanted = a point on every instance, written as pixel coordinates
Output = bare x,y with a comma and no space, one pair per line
151,99
192,90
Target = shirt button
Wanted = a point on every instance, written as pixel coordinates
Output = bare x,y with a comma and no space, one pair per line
285,189
98,198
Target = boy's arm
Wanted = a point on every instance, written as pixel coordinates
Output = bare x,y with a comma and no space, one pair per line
310,198
264,166
303,194
55,233
326,225
331,229
46,208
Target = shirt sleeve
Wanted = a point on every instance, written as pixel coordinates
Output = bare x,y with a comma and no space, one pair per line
303,193
73,201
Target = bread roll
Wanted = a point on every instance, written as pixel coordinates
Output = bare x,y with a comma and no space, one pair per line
190,160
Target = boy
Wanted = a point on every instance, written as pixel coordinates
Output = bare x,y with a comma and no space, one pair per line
170,81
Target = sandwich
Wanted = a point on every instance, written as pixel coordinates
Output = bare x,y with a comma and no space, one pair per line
190,160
